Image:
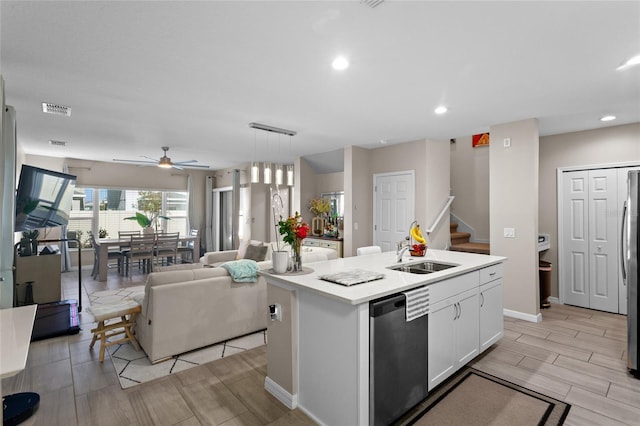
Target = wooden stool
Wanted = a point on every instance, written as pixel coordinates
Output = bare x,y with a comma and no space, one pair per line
126,311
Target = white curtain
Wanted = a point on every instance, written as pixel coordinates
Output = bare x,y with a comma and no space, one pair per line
190,207
8,186
65,257
209,214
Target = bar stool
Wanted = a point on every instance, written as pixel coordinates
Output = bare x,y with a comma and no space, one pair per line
125,310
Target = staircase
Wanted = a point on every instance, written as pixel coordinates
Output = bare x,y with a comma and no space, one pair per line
460,242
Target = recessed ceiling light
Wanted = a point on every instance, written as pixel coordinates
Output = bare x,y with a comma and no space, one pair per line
340,63
631,62
608,118
441,109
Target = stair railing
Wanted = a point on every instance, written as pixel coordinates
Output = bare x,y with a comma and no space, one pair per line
441,214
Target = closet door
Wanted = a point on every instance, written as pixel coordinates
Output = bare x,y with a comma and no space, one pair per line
603,240
575,226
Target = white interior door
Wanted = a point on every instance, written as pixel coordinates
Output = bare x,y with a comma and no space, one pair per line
394,208
575,227
603,240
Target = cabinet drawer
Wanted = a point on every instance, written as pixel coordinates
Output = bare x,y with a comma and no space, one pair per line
491,273
332,245
310,243
456,285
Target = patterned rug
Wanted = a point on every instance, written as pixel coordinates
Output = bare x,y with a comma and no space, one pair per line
472,397
133,367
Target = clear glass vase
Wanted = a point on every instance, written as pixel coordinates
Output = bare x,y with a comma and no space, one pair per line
297,255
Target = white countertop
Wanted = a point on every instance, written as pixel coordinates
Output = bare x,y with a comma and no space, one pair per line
16,325
394,281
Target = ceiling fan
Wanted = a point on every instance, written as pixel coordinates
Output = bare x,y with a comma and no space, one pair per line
164,161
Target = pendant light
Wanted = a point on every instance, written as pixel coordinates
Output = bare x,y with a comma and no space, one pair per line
290,167
255,170
289,174
267,173
278,167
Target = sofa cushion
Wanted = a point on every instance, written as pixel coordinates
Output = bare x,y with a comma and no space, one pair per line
244,245
203,273
257,253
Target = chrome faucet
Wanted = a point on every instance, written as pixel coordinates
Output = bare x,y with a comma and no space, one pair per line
400,249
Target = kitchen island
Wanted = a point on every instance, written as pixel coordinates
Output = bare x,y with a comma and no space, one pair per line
318,352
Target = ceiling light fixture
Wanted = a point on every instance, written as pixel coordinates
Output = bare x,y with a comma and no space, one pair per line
441,109
340,63
268,128
608,118
255,170
631,62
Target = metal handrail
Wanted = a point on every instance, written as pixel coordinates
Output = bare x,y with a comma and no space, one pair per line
441,215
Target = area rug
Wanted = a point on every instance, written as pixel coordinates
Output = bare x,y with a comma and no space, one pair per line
476,398
133,367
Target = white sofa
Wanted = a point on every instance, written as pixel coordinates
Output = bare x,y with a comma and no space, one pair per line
189,306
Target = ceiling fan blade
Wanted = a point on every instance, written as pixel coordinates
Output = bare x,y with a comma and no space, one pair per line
135,161
193,166
175,166
185,162
144,156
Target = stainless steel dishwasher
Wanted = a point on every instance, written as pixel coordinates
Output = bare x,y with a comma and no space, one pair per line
398,369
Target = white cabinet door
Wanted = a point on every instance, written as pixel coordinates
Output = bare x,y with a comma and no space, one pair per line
491,314
453,335
467,328
441,341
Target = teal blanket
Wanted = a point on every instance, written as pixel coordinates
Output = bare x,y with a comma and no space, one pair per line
242,271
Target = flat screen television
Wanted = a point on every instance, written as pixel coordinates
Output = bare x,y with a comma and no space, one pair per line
43,199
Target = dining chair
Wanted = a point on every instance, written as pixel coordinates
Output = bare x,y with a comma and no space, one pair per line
186,250
166,247
141,249
361,251
124,248
96,257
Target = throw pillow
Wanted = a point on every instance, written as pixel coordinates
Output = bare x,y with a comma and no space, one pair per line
256,253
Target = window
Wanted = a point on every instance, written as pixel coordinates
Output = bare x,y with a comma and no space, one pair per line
105,210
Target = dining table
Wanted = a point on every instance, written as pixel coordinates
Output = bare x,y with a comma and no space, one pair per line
105,243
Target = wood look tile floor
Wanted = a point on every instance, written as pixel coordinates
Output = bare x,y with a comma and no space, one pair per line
574,354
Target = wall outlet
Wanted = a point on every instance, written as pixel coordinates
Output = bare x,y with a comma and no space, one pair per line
275,312
509,232
506,142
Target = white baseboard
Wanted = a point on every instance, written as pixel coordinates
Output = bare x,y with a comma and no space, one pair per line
291,401
522,315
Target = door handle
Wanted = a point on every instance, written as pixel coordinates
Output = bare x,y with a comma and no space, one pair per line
622,254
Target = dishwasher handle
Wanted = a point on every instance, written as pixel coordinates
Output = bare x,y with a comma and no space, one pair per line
380,307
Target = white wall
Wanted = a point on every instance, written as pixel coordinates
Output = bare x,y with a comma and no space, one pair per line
514,204
609,145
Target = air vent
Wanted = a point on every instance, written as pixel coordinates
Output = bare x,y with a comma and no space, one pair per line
57,143
56,109
371,3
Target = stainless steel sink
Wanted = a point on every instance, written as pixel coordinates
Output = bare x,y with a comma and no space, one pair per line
427,267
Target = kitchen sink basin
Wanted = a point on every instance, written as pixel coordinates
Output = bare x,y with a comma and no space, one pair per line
422,267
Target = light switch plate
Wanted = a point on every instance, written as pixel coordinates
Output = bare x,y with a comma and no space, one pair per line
509,232
506,142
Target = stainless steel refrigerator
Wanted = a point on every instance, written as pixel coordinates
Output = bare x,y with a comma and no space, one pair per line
630,231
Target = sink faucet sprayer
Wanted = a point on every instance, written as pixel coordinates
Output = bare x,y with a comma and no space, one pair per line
404,245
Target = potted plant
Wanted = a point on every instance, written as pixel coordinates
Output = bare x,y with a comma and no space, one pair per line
320,208
150,203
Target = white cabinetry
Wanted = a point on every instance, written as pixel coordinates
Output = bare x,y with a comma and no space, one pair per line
453,326
330,243
491,308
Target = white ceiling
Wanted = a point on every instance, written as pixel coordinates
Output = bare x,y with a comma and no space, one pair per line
192,75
